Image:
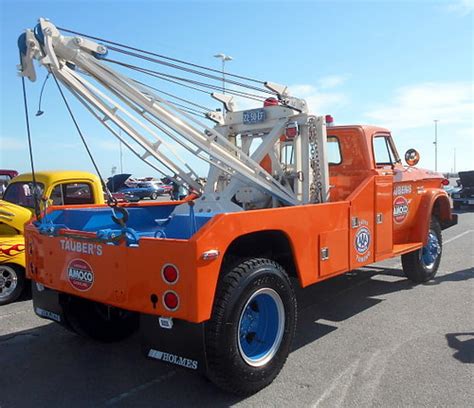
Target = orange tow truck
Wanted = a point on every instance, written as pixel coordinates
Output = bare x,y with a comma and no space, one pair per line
208,281
190,293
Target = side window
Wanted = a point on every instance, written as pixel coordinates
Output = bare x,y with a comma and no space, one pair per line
72,194
77,193
57,195
333,150
383,151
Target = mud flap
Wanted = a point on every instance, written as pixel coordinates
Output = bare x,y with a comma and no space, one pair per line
47,304
449,223
182,345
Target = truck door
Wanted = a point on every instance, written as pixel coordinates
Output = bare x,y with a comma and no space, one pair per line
383,216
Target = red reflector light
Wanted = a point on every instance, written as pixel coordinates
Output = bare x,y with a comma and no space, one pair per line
291,130
329,120
445,182
171,300
170,273
270,102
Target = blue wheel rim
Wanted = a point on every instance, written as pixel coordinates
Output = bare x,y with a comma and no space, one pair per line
261,327
431,250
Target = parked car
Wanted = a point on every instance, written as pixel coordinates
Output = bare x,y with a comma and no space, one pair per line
465,194
5,177
17,206
144,189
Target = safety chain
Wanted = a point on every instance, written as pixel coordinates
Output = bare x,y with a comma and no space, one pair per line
316,187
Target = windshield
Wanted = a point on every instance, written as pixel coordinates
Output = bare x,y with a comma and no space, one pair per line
21,193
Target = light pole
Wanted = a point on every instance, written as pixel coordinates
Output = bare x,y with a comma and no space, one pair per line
436,143
454,161
224,58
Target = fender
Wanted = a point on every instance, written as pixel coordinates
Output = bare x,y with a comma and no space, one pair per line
434,202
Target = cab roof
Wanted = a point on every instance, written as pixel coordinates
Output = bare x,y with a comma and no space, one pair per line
369,130
50,177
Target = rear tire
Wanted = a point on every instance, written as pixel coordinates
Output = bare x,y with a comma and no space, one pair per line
253,323
12,282
154,196
421,265
100,322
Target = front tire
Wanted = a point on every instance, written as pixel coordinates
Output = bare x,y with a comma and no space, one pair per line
154,196
253,323
12,283
100,322
421,265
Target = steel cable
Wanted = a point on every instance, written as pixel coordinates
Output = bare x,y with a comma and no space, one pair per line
175,79
161,56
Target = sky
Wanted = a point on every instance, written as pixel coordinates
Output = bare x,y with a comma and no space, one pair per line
396,64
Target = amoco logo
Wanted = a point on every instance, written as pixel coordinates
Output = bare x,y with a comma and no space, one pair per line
80,275
400,209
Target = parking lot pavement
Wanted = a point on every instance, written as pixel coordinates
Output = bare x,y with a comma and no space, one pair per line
368,338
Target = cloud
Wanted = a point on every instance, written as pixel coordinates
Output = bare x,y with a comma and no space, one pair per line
332,81
319,101
11,143
418,105
461,7
321,96
109,145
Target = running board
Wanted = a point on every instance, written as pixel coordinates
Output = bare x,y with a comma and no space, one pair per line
400,249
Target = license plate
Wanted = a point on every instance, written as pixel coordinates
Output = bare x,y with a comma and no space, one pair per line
470,202
254,116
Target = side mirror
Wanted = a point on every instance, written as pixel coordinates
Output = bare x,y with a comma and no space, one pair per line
412,157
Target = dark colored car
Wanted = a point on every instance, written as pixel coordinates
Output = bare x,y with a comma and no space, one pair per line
464,196
144,189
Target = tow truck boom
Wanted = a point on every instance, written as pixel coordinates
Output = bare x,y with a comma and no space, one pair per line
154,125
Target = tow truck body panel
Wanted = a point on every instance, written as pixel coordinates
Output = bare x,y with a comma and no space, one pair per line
383,216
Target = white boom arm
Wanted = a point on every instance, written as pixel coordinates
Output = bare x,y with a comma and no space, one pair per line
233,169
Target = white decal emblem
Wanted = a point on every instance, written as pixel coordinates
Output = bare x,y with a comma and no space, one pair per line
80,275
362,240
173,359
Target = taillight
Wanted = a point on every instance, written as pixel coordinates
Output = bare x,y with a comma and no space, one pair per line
171,300
445,182
170,274
291,130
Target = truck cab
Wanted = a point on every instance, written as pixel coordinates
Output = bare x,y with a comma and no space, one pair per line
55,188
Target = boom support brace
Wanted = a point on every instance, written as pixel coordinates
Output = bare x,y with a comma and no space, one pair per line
154,126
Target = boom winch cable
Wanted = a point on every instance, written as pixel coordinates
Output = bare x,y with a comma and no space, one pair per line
30,148
176,79
40,112
161,56
193,71
111,201
206,109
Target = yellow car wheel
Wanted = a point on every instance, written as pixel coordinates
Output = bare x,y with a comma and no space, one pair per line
12,282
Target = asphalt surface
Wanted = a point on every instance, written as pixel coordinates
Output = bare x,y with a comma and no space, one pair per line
369,338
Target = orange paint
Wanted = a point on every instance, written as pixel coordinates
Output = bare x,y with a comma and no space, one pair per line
355,228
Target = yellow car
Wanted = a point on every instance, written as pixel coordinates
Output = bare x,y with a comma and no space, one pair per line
17,207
